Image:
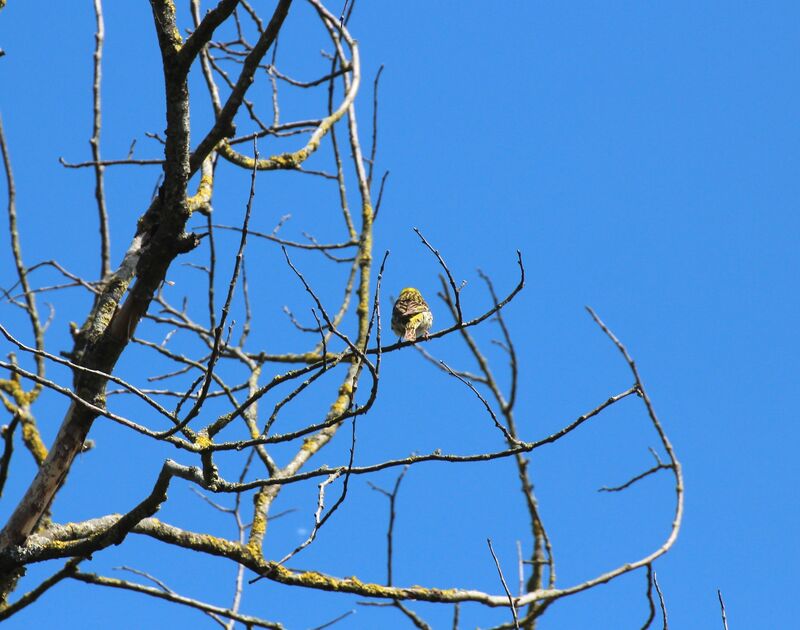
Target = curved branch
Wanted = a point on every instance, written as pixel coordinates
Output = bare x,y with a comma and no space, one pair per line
223,127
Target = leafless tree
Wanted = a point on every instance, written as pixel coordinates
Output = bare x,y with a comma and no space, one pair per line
211,403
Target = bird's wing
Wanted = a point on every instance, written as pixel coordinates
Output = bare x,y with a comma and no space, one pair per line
407,308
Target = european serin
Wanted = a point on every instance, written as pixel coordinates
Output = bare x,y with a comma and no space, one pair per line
411,315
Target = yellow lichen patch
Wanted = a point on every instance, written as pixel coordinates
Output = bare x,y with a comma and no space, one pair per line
368,213
14,389
318,580
310,445
175,34
176,37
343,400
354,580
100,319
32,439
369,590
349,584
229,154
210,544
202,440
284,161
213,544
365,257
203,195
259,526
10,407
59,544
278,571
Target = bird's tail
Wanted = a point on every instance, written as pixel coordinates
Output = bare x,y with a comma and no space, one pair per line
411,327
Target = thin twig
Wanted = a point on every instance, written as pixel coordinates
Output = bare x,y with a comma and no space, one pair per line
8,449
341,17
651,607
280,241
722,610
215,352
16,250
392,496
659,466
456,289
505,586
661,601
319,519
31,596
374,148
328,624
380,195
247,620
510,438
99,188
84,370
104,163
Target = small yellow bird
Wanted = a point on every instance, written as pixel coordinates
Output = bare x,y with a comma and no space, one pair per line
411,315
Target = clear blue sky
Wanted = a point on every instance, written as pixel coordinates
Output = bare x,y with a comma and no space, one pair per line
643,156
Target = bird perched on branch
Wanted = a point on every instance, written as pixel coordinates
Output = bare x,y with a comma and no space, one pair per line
411,315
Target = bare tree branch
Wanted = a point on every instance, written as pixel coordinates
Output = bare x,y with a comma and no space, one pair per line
511,603
247,406
99,190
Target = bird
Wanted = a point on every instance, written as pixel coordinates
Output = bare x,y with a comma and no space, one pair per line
411,315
